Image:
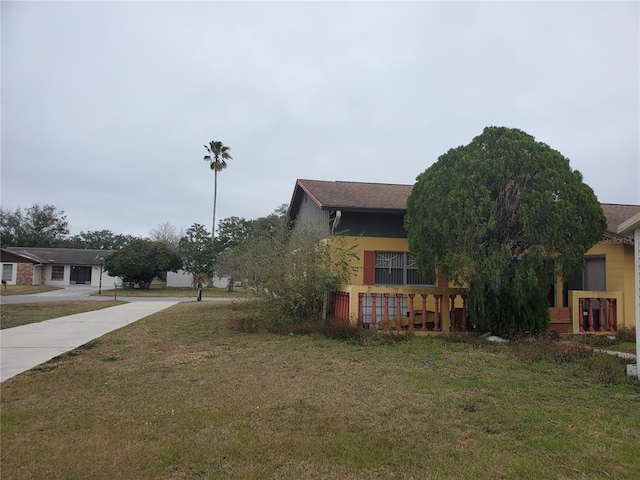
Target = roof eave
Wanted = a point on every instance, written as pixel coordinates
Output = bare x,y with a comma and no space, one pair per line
346,208
629,226
612,237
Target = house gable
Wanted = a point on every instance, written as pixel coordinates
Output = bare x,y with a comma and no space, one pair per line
350,208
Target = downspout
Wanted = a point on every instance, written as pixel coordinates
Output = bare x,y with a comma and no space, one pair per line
325,297
336,220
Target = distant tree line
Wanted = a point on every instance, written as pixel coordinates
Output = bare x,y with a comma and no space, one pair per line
47,226
139,260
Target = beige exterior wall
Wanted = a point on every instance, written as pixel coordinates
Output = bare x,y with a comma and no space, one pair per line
362,244
387,244
619,277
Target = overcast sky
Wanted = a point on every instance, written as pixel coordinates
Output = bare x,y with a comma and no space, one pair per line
106,106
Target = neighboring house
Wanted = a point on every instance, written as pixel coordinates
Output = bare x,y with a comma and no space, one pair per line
54,266
185,279
387,291
632,227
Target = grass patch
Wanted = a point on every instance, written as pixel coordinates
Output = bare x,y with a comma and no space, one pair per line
255,318
14,315
28,289
624,340
187,393
159,290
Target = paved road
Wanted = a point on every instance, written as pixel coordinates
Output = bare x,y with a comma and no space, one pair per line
82,292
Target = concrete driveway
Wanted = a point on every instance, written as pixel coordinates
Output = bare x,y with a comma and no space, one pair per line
24,347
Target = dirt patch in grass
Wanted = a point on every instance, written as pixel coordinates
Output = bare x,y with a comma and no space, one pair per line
182,395
25,313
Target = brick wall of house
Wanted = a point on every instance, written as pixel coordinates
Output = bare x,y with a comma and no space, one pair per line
24,275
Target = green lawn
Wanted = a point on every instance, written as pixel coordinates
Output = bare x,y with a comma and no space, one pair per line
27,289
159,290
181,395
14,315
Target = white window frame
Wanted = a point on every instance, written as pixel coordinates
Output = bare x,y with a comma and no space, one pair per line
8,278
53,269
398,264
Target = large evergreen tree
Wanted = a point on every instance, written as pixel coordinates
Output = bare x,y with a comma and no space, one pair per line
503,216
196,250
142,260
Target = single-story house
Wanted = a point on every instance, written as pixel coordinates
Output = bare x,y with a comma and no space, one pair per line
387,291
54,266
182,278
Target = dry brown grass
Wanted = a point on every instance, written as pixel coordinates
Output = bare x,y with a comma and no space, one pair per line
27,289
23,313
179,395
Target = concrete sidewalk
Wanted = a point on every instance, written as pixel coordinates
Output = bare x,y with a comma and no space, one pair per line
24,347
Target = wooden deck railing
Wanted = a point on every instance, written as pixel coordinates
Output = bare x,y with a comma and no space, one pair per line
598,314
445,310
434,309
595,311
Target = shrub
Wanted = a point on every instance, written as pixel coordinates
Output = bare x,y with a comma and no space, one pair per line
626,335
542,348
468,338
604,368
341,330
296,271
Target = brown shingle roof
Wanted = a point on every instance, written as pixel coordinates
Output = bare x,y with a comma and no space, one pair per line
617,214
357,196
64,256
362,196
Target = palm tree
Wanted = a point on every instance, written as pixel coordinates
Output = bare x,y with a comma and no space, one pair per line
218,153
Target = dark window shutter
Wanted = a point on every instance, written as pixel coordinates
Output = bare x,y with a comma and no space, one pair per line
369,267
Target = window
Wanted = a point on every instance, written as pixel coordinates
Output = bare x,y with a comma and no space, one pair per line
397,268
7,272
57,272
593,277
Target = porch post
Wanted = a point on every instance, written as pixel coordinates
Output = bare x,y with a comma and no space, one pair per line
452,313
611,315
590,314
385,323
424,312
464,313
615,314
601,317
411,312
374,318
436,315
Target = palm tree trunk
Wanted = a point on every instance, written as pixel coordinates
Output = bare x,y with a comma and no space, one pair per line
215,198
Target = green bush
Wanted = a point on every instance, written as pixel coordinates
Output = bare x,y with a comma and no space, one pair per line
544,349
626,335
